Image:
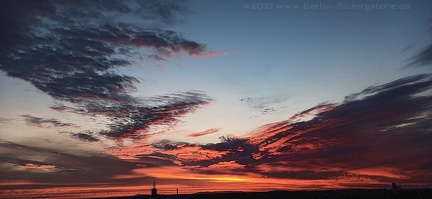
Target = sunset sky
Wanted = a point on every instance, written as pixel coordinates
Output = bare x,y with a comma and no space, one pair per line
101,98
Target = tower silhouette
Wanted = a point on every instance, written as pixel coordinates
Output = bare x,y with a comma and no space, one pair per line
394,186
154,190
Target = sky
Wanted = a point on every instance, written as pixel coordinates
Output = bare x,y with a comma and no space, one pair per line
101,98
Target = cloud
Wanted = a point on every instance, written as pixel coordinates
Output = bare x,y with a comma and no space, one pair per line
72,51
4,120
387,87
355,134
206,132
422,59
311,113
374,137
209,54
40,167
85,137
53,167
266,104
40,122
73,62
133,119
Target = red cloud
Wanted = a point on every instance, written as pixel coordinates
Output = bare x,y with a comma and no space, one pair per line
206,132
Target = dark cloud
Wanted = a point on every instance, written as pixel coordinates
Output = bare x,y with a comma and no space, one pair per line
385,128
165,11
387,87
381,134
71,50
88,168
41,122
71,61
422,59
85,137
81,87
155,159
130,119
140,118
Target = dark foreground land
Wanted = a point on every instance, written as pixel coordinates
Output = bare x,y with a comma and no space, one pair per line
340,194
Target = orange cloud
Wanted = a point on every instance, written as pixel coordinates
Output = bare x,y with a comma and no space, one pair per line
39,166
226,166
195,153
388,172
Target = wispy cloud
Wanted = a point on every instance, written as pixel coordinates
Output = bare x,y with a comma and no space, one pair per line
41,122
266,104
206,132
134,119
201,54
422,59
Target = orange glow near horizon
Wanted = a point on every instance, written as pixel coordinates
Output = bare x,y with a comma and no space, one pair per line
195,183
250,181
